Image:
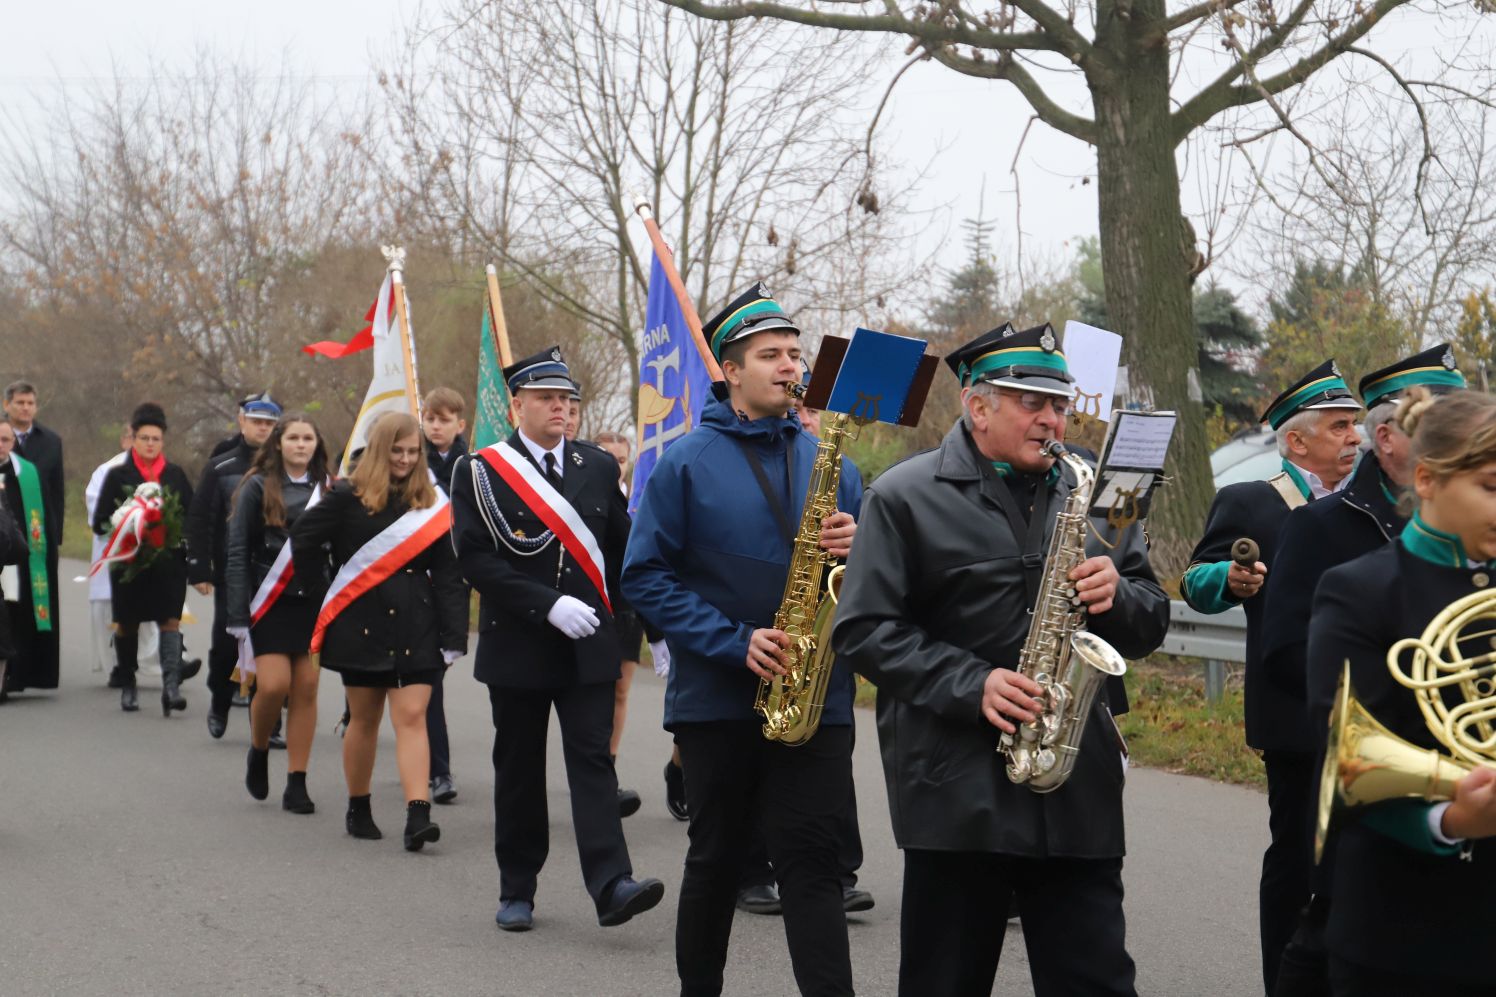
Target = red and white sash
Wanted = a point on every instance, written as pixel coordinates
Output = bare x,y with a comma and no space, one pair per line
381,557
280,574
558,515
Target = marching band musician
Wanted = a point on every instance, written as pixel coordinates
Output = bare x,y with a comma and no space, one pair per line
934,609
707,563
540,527
1316,537
1407,915
1315,423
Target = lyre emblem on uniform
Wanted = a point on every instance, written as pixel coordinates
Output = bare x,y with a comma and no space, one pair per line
520,535
866,409
1448,359
576,458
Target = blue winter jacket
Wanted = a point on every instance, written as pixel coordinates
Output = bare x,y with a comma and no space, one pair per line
707,561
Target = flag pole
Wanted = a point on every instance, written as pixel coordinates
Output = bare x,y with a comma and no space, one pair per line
496,323
396,257
667,261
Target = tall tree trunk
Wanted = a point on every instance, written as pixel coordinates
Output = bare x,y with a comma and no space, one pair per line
1144,261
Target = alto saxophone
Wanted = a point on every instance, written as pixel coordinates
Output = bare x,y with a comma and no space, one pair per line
1068,662
791,703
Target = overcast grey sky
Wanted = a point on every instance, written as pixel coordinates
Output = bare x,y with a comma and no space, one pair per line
970,127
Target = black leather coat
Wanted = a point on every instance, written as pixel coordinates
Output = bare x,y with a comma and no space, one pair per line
207,524
402,624
253,547
933,599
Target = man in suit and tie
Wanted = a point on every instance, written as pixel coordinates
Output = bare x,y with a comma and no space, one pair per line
540,534
37,665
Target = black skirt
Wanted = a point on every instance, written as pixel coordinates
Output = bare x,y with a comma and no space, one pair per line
287,627
153,596
391,680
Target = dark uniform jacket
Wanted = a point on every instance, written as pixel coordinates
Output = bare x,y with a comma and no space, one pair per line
934,598
13,550
1255,510
208,520
441,466
402,624
1315,538
157,593
253,546
519,576
1395,907
44,449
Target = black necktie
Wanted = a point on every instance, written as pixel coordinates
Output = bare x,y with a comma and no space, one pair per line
551,474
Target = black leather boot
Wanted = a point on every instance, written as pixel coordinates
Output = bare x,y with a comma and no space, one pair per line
418,826
360,820
125,647
257,773
295,798
171,674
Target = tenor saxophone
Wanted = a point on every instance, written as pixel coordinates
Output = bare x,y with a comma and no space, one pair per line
1068,662
791,703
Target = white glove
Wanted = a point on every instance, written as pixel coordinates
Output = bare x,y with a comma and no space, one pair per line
238,633
450,656
573,617
660,652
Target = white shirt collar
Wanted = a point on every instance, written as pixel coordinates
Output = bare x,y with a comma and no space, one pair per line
305,479
538,452
1317,487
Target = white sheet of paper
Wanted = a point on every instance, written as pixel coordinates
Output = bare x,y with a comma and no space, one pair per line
1115,482
1141,440
1092,355
10,583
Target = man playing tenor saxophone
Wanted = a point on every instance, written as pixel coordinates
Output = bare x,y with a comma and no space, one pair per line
952,553
707,563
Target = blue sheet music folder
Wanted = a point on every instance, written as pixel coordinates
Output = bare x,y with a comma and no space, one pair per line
875,376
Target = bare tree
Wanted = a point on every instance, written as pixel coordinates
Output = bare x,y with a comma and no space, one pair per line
1138,107
179,236
525,129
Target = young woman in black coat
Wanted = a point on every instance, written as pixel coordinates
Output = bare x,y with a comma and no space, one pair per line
393,641
1410,883
289,473
156,594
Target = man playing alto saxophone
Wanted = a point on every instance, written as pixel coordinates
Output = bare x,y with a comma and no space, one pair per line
706,564
934,609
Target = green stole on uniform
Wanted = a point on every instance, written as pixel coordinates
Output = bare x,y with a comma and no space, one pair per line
36,539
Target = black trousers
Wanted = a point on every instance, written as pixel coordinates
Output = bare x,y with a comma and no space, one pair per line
436,732
1347,979
223,654
955,914
1288,863
740,787
758,872
521,718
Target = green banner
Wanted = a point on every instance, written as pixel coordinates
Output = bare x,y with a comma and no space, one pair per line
491,414
36,540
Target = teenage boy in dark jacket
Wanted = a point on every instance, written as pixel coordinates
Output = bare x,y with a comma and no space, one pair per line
442,424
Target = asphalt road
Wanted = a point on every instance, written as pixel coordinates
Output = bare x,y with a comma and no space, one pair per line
133,861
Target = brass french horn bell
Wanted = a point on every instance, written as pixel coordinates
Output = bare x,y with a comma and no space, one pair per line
1366,763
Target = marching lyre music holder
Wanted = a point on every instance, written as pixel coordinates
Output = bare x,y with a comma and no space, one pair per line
1131,466
872,377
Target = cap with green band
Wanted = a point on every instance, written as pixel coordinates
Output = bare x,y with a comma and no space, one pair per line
1434,369
1322,388
1030,360
755,310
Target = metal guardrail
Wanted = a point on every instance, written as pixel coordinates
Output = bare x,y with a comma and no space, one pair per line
1219,638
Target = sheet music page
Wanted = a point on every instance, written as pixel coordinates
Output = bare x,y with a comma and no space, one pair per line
1141,440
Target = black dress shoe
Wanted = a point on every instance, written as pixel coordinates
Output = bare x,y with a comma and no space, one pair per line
628,898
116,678
675,791
628,803
129,698
516,915
855,900
217,724
443,790
278,740
239,699
760,900
190,667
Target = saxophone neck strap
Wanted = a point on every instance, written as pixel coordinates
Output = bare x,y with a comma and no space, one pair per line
776,505
1027,530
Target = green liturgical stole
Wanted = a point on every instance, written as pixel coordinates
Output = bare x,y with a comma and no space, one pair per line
35,527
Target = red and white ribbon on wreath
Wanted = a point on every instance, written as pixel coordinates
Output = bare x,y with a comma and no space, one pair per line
138,521
386,553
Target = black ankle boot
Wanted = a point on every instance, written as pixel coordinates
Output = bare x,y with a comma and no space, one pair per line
171,676
294,798
257,773
360,820
418,826
125,646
